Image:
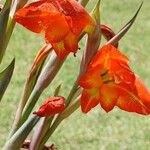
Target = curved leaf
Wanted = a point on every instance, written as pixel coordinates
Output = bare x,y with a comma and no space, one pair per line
124,30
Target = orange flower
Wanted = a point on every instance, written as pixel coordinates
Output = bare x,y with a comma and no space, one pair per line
61,21
110,82
51,107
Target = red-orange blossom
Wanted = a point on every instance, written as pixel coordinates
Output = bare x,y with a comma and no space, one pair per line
110,82
61,21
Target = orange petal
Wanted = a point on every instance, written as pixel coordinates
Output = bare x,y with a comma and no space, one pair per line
105,53
80,19
108,33
129,101
57,28
121,73
109,96
51,107
91,78
35,16
142,92
60,50
89,99
71,42
126,102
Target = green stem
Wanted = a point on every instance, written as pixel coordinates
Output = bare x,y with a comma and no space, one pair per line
40,132
34,96
28,108
50,132
72,93
19,113
71,108
16,141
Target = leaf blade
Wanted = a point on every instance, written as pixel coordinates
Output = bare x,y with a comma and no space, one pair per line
125,28
4,17
5,77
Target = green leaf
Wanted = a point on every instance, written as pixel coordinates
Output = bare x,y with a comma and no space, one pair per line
57,90
4,16
124,30
5,77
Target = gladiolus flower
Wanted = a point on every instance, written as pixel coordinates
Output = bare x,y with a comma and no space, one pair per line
110,82
61,21
51,107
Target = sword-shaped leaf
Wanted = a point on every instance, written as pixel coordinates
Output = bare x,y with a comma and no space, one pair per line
5,77
4,16
124,30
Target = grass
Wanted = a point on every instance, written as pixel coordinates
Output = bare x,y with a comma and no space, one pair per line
97,130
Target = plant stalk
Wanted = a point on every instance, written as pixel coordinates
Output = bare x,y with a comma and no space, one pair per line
16,141
40,132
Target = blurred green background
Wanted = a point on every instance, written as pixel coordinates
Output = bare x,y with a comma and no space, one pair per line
97,130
